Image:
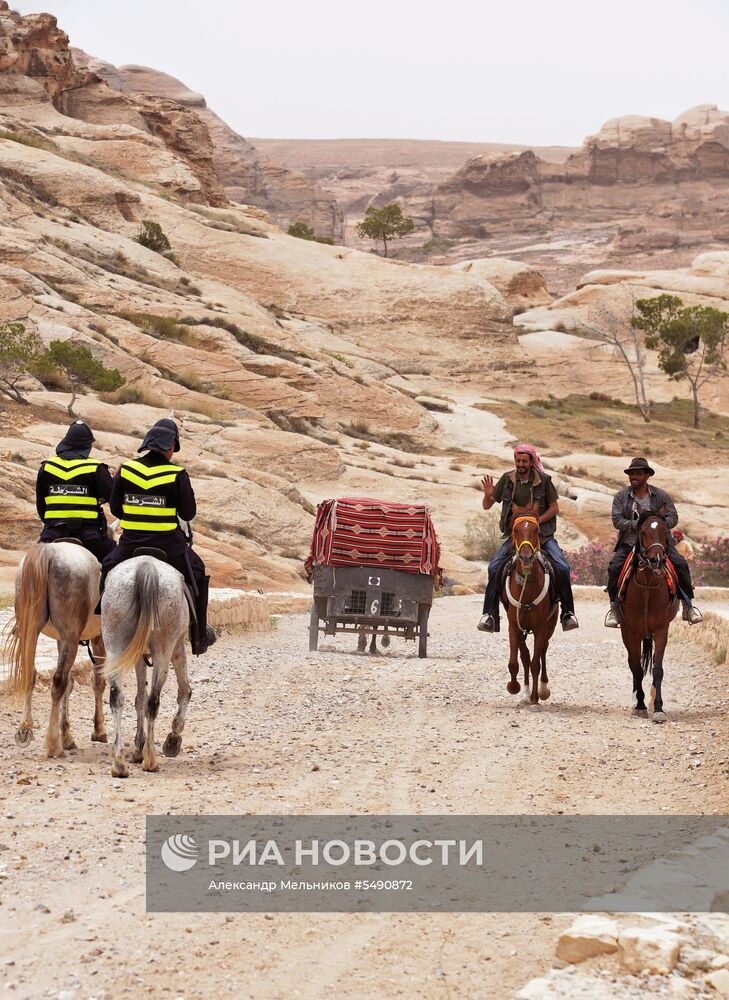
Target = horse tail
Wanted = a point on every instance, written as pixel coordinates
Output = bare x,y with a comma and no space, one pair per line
146,607
646,659
31,614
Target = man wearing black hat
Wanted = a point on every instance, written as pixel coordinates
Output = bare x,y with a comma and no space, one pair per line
148,496
628,505
69,492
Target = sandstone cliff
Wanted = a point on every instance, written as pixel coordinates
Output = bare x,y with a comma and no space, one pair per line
246,175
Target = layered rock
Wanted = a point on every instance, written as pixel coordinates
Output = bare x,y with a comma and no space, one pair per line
36,62
247,176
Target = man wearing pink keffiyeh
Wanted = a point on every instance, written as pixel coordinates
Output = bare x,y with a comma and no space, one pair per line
525,485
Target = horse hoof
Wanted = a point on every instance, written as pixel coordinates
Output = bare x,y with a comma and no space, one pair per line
513,687
544,692
534,707
101,738
69,745
56,753
640,713
152,768
659,717
119,771
172,745
136,756
23,736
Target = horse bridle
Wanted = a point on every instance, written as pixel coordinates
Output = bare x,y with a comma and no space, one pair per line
530,519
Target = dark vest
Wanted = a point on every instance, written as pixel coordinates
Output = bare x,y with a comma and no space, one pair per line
538,492
72,494
150,498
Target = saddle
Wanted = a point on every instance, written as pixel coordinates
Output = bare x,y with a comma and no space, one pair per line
631,561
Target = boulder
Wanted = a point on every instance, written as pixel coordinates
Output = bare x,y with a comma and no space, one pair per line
649,949
588,936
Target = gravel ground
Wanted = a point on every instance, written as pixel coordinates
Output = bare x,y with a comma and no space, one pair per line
272,728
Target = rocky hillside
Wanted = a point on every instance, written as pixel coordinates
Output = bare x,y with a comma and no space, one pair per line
247,176
641,191
298,370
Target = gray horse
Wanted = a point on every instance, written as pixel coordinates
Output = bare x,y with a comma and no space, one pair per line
144,609
56,590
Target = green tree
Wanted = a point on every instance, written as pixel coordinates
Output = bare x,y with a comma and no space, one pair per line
302,231
386,223
153,237
21,353
690,340
81,368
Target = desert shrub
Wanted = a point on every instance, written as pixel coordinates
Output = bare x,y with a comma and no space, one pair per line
254,343
304,232
135,394
589,564
161,327
25,139
482,537
153,237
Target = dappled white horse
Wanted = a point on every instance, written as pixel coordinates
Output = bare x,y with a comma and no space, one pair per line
144,610
56,590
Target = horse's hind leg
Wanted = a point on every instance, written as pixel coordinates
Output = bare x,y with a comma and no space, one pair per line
59,685
544,691
141,672
119,768
97,648
173,742
66,735
160,659
24,732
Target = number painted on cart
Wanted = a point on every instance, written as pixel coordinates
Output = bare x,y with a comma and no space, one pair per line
374,607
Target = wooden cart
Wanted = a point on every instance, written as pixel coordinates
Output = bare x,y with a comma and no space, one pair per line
365,601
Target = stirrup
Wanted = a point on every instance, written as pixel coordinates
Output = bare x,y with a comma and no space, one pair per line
691,614
569,621
611,618
489,623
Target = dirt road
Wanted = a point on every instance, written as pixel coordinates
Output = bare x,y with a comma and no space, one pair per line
272,728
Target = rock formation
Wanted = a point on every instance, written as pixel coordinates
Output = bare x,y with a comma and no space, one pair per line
246,176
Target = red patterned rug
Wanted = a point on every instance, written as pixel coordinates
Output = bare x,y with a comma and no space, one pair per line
362,531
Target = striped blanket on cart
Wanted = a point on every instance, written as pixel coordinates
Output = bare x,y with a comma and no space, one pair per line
362,531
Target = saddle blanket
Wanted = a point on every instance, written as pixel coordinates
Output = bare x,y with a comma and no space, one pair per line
626,572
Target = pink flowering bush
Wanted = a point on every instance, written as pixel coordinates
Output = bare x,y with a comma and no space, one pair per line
589,564
710,568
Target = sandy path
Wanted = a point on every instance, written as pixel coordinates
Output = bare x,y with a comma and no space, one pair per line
386,734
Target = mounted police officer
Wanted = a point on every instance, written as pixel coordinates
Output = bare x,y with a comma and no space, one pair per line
69,491
149,494
527,484
628,505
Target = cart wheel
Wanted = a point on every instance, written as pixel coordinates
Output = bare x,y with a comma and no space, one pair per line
423,613
314,630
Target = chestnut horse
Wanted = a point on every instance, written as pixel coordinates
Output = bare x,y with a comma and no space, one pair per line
525,595
647,609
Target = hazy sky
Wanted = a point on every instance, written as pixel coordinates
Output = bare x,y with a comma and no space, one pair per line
532,71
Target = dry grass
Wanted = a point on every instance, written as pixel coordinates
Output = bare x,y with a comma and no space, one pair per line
586,423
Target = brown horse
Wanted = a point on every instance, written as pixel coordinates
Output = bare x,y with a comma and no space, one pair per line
646,611
525,595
